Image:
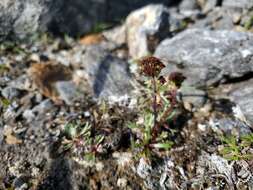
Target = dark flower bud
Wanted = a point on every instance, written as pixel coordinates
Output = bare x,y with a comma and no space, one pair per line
177,77
162,80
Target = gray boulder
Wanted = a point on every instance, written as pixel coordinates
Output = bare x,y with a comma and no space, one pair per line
39,111
188,5
68,92
229,126
23,18
244,4
208,57
10,93
106,74
145,27
241,94
193,96
220,18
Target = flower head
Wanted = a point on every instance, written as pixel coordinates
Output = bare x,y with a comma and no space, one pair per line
151,66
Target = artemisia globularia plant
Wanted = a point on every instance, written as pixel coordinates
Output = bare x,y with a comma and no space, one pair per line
151,130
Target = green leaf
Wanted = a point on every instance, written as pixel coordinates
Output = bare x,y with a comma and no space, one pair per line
99,139
70,130
86,130
247,156
247,140
5,102
132,125
67,146
90,157
166,145
148,119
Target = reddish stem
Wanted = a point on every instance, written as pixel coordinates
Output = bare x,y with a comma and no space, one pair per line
154,102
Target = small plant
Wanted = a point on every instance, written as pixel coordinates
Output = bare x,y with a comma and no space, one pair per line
4,102
152,132
80,138
11,47
3,68
236,148
249,23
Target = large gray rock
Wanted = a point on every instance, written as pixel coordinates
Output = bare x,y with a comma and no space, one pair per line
68,92
219,18
39,111
242,95
188,5
229,126
23,18
207,57
107,75
244,4
145,27
10,93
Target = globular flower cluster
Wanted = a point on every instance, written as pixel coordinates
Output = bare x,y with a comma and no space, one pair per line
151,66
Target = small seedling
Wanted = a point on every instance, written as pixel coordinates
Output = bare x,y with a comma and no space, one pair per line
4,102
234,147
249,23
160,106
80,138
3,68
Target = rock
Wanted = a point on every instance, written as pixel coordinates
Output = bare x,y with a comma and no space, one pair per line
106,75
21,83
241,94
22,19
52,80
189,8
244,4
144,169
29,115
229,126
145,28
1,134
19,183
208,57
193,96
68,92
217,165
10,93
188,5
122,182
39,111
218,18
157,176
116,35
10,138
123,159
11,111
210,5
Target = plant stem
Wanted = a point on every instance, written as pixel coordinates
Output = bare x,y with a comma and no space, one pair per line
166,114
154,101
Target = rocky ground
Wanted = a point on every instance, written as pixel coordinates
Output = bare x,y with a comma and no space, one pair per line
52,87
